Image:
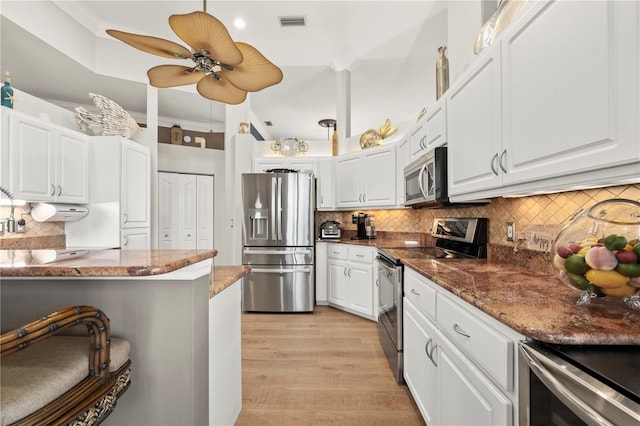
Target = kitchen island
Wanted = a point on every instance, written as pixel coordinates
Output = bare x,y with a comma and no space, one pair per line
158,300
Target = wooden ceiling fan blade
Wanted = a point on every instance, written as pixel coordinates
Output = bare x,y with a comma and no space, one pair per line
202,31
221,90
255,72
154,45
173,75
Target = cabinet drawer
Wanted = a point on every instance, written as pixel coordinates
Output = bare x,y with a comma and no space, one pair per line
361,254
420,293
488,348
337,251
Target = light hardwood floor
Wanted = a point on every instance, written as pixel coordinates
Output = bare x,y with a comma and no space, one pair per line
325,368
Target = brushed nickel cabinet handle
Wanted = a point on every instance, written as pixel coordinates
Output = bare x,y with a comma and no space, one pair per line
460,331
494,167
501,162
413,291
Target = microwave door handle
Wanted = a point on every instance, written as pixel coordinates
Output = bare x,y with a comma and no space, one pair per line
561,381
422,171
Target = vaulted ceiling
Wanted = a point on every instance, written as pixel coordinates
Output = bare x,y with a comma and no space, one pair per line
390,48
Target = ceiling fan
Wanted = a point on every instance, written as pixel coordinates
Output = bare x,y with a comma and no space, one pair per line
223,70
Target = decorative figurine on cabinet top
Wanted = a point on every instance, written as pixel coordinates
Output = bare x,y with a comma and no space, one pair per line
7,91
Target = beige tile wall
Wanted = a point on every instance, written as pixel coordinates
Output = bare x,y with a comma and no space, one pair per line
540,216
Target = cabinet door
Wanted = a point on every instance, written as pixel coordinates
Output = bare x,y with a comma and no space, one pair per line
348,181
72,167
167,211
462,385
379,177
473,128
187,228
418,138
404,157
303,165
325,190
570,95
436,125
32,159
420,370
136,185
360,288
262,165
337,275
204,212
136,239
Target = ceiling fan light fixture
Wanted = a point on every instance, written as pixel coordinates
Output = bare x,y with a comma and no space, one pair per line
224,71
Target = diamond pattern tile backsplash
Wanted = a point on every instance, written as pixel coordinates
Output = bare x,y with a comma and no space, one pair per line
538,218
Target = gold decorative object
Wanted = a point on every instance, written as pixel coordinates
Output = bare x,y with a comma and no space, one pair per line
289,147
374,138
507,11
421,114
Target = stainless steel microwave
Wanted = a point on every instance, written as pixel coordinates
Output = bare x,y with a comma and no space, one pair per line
425,180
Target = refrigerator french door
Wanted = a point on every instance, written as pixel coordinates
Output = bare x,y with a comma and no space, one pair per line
278,235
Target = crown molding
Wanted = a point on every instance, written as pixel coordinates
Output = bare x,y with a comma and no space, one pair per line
71,8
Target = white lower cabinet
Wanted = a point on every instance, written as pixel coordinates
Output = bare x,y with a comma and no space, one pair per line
458,362
135,239
350,275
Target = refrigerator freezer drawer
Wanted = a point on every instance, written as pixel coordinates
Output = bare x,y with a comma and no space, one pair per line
277,256
286,288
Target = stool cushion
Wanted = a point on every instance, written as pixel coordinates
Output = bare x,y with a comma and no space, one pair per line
40,373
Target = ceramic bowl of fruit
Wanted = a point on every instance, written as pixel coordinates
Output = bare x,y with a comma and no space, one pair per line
598,253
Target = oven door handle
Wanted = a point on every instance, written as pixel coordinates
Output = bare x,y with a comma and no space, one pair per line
567,382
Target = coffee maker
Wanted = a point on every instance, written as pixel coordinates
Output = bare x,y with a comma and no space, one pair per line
366,226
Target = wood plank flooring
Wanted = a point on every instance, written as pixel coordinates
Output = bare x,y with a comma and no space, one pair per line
325,368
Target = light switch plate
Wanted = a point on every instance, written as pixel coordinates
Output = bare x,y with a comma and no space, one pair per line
511,231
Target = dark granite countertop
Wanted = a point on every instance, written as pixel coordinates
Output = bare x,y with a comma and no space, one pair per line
536,305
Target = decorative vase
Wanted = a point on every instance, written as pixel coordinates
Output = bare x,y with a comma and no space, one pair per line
334,141
7,91
442,72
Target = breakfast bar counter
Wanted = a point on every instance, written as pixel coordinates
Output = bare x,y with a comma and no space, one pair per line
158,300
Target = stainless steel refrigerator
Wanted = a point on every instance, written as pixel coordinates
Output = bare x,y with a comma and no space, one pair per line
278,236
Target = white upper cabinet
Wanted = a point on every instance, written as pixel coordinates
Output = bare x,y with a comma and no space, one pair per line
46,162
301,164
474,147
418,138
570,90
367,178
136,185
436,124
553,105
325,189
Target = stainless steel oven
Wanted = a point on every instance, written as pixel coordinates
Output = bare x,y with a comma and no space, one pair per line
578,385
389,283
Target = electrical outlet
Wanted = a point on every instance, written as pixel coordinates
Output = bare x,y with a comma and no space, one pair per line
511,231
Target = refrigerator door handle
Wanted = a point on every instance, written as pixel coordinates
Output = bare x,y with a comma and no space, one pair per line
281,271
279,209
274,194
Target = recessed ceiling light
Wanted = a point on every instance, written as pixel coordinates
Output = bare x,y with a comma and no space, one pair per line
239,23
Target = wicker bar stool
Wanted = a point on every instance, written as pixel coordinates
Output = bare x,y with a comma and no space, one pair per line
50,379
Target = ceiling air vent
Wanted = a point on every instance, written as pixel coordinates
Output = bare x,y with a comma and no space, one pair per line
292,21
268,123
